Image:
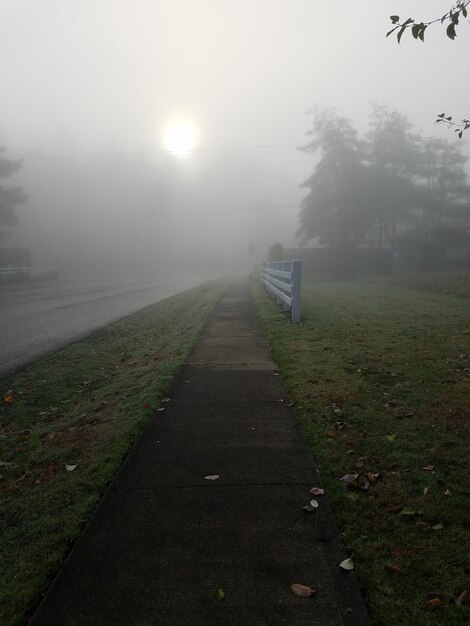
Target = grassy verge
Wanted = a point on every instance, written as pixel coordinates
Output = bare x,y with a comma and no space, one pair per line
83,406
380,376
455,282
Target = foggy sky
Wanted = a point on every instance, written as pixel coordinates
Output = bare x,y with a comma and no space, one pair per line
80,77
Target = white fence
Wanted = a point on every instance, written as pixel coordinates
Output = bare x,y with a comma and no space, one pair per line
30,272
282,281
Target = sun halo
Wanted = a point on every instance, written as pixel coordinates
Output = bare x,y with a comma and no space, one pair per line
179,137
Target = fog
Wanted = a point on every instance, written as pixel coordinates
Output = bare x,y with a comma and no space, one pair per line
88,88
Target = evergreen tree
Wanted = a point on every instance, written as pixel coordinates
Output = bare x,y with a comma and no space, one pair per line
10,197
335,209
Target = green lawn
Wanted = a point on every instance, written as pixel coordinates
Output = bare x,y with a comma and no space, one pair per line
380,377
82,407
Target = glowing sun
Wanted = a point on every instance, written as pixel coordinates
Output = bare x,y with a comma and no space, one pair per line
179,137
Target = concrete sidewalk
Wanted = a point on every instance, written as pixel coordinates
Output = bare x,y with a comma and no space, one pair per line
164,538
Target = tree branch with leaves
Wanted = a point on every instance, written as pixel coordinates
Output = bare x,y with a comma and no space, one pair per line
418,29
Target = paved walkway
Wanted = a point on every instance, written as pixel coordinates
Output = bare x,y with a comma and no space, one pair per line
164,538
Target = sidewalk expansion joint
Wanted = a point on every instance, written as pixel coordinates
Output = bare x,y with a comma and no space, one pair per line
216,486
232,403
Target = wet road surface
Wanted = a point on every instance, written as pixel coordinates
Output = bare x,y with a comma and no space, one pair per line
38,321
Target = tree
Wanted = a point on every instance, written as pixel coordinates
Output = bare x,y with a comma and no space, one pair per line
276,252
335,208
394,185
448,193
10,197
393,158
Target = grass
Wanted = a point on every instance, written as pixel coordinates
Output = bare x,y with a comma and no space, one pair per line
380,377
83,406
456,282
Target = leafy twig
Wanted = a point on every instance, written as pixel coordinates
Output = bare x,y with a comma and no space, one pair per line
419,28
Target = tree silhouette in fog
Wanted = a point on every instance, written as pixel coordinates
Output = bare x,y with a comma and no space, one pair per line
10,197
369,192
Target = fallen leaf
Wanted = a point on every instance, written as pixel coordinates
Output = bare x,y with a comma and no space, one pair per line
303,591
428,468
435,602
425,491
400,552
447,492
70,468
220,594
393,508
438,526
391,437
395,569
331,434
314,504
9,399
165,400
146,405
363,483
372,477
421,522
463,597
161,409
408,511
349,478
308,508
317,491
347,564
212,477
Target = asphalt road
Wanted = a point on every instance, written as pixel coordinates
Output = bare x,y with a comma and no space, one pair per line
37,322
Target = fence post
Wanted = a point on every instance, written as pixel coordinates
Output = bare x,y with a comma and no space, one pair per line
296,291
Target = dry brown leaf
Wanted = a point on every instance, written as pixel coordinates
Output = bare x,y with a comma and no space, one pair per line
303,591
463,597
400,552
439,526
395,569
317,491
435,602
425,491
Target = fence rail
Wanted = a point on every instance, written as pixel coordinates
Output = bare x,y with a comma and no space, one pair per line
24,271
282,281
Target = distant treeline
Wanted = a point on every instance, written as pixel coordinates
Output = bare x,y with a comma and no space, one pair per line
390,200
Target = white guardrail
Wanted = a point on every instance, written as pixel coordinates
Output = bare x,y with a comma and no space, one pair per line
30,271
282,281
